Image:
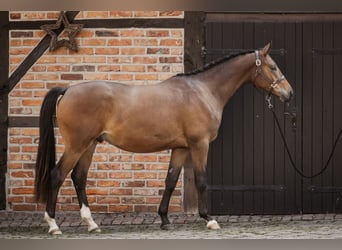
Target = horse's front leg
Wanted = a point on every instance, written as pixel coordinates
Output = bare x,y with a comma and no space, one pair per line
199,154
178,157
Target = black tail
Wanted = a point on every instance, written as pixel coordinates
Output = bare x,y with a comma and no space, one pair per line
46,158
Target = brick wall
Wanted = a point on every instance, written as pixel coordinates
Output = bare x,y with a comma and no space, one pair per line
117,180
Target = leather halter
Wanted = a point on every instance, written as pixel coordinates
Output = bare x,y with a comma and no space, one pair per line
259,72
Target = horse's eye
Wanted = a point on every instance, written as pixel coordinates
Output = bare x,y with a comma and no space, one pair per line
273,68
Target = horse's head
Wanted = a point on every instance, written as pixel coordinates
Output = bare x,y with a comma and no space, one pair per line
269,77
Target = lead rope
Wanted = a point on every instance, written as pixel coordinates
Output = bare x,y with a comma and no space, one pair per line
271,107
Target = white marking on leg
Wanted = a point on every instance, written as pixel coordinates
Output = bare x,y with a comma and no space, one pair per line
213,225
53,228
87,218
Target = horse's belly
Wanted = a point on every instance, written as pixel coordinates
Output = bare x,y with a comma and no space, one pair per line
144,141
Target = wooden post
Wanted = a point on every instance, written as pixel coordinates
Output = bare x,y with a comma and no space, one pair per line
194,38
4,90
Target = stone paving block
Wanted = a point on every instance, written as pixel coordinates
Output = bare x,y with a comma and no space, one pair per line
287,218
233,218
297,217
307,217
338,217
277,218
329,217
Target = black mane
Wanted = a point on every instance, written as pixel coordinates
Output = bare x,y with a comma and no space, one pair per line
214,63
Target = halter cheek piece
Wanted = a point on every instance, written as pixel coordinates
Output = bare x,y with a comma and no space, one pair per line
259,72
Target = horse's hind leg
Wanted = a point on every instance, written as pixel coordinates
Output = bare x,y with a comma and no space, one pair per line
178,158
79,178
58,175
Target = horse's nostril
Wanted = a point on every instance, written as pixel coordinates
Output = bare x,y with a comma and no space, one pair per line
291,93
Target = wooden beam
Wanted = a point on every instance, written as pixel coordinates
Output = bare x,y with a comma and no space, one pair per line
4,90
108,23
23,121
35,54
194,37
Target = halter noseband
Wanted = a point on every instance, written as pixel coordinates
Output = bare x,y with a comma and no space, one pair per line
259,71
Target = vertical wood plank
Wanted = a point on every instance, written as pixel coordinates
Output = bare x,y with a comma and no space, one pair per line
4,91
248,125
337,123
194,35
327,116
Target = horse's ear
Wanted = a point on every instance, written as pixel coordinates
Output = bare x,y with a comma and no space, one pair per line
266,49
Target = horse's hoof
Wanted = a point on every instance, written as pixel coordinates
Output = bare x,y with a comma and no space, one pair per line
213,225
55,232
166,227
95,230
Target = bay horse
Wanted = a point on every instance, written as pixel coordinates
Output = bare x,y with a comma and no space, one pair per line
182,113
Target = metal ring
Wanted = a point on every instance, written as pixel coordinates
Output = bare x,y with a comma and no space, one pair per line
258,62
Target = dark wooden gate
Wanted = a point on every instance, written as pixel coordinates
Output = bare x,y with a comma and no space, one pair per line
248,169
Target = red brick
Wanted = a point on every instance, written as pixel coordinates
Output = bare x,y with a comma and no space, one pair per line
14,149
21,34
158,51
157,33
132,51
146,13
132,200
106,51
32,102
46,76
108,200
22,174
134,184
132,33
97,191
20,140
58,68
145,175
22,190
72,77
119,42
150,77
30,42
108,68
153,200
120,208
146,208
95,77
94,42
47,59
120,13
120,175
171,59
120,191
94,59
133,68
21,93
106,33
15,15
171,42
96,14
15,199
145,60
155,183
121,77
145,42
69,59
103,183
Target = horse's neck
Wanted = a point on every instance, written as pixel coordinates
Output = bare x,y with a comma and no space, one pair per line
225,79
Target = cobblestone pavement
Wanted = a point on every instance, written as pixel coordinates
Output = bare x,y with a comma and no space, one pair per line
30,225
